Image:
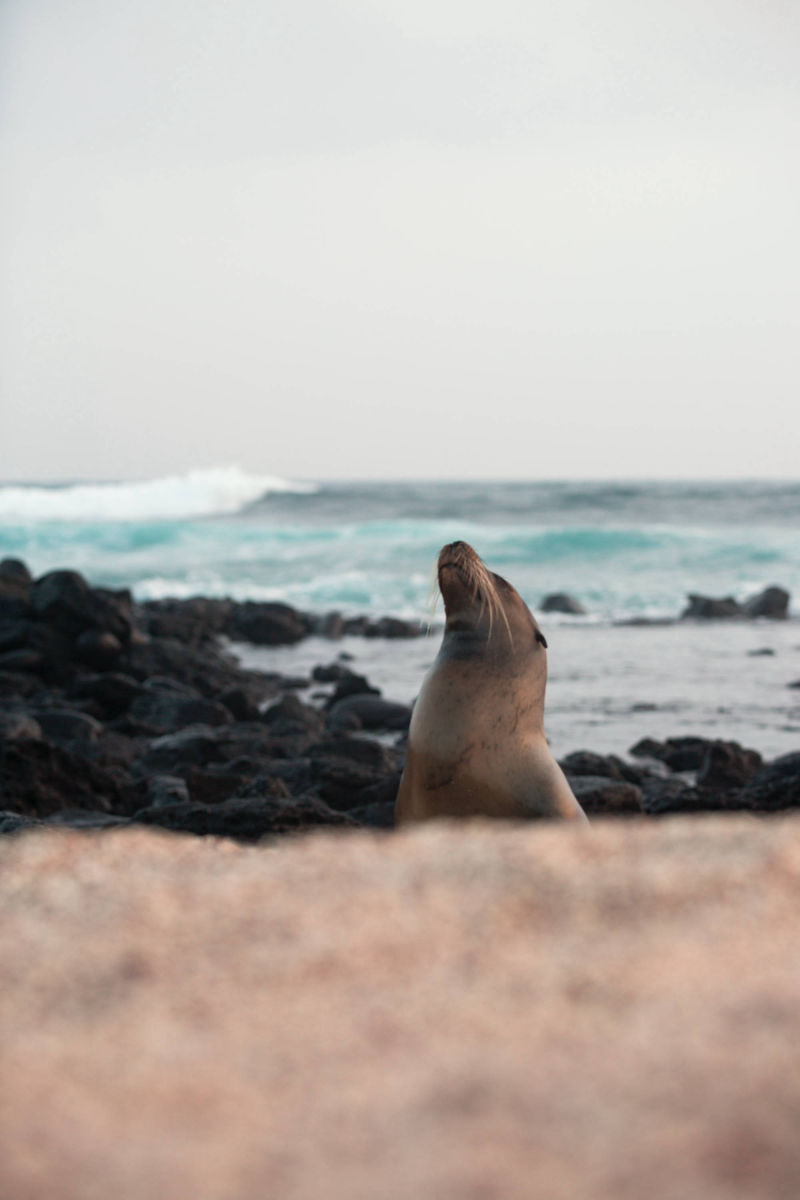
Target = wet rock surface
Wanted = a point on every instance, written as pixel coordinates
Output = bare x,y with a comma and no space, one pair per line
457,1010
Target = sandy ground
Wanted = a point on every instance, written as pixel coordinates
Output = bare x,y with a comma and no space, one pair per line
460,1012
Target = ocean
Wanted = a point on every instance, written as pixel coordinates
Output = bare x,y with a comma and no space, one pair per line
625,550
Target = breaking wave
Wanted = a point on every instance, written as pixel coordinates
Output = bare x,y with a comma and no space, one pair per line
218,491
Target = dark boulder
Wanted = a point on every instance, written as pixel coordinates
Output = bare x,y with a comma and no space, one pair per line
600,796
382,792
67,725
15,633
206,670
174,752
165,790
295,773
678,753
66,601
12,822
561,602
330,626
358,750
113,749
166,711
267,624
109,694
392,628
290,716
245,819
17,683
217,782
375,816
727,765
55,651
372,711
662,797
194,621
15,579
98,649
37,778
772,603
350,683
340,782
16,724
775,786
241,702
26,659
608,766
706,608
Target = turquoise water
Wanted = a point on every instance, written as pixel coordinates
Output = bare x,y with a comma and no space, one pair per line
624,549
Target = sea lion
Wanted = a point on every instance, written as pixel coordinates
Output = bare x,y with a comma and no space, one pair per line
476,744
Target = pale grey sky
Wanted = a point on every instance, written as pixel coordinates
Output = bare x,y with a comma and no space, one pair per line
402,238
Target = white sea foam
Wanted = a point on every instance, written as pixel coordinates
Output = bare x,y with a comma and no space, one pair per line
216,491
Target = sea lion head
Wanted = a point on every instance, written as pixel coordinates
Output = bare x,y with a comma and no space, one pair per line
481,607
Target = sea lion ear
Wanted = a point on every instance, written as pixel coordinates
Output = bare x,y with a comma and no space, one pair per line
539,635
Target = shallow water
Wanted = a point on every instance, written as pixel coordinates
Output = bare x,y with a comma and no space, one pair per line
609,686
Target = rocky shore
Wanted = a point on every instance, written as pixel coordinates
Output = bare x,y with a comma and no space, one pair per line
115,713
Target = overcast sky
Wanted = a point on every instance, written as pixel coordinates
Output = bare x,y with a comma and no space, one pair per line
401,238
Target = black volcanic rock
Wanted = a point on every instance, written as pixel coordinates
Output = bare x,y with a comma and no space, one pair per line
15,579
727,765
17,724
15,633
25,659
267,624
772,603
165,711
775,786
67,725
195,621
561,602
290,716
66,601
379,815
609,766
677,753
37,778
372,712
98,649
600,796
358,750
204,669
341,782
661,797
174,752
245,819
707,608
110,694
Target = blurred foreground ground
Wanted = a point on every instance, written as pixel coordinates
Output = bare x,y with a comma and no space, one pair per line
459,1012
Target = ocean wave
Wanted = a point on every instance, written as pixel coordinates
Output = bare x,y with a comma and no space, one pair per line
218,491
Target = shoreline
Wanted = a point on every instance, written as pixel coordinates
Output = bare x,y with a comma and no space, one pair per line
114,713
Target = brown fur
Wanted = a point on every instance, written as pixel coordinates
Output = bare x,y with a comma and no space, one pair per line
476,743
